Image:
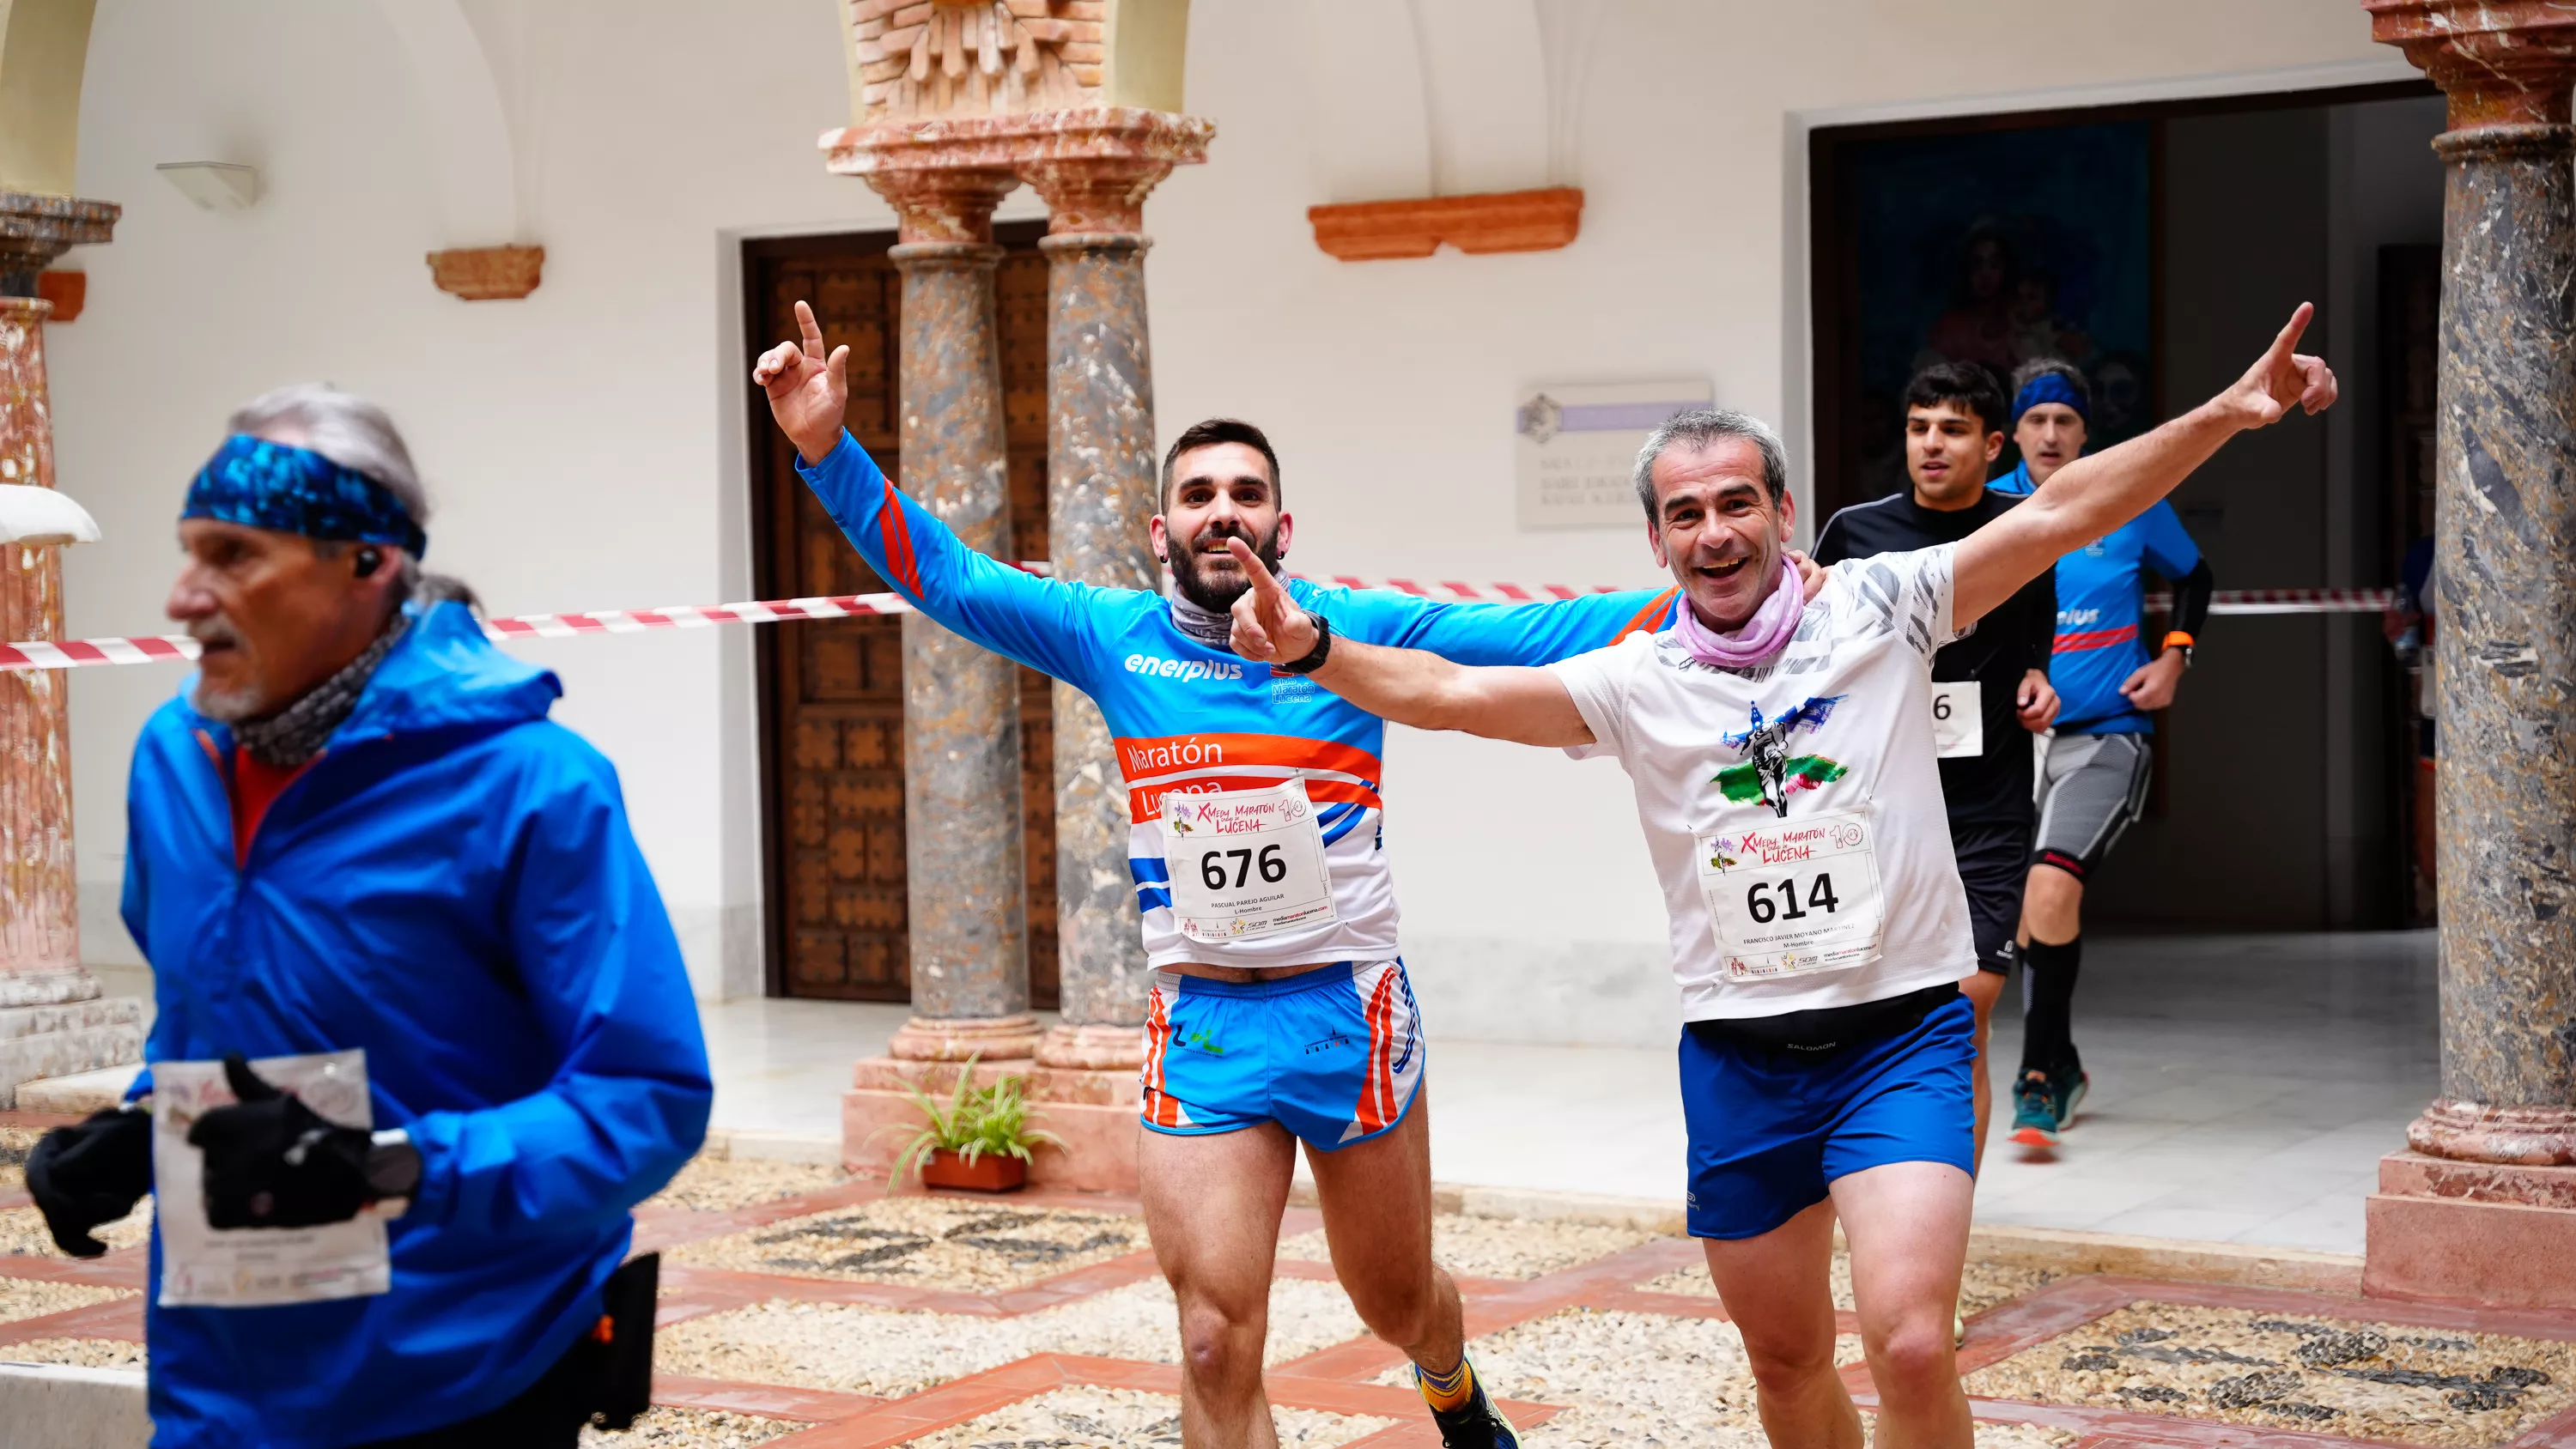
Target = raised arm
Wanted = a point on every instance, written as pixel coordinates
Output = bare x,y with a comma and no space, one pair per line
2094,495
1500,702
1038,622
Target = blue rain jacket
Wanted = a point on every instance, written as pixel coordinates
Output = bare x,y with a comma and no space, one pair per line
452,887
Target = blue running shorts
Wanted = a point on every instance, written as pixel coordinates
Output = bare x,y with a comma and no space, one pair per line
1334,1054
1770,1130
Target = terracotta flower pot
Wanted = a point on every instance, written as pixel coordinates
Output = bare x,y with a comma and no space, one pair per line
991,1172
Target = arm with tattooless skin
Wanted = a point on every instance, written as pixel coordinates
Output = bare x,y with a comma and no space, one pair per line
2082,501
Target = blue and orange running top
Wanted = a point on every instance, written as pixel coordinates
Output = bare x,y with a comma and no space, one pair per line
1188,718
2101,591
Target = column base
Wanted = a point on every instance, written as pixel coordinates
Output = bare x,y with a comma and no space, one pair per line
2492,1233
955,1038
58,1037
1093,1048
1093,1112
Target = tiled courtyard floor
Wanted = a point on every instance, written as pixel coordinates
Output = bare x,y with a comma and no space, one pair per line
808,1311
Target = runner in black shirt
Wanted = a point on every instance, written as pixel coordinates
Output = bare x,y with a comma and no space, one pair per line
1990,687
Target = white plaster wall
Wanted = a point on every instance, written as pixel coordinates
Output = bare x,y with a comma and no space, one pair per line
586,444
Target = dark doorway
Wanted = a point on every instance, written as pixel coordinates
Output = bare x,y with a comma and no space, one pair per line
2156,247
831,691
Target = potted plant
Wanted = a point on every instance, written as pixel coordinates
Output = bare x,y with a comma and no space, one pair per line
980,1139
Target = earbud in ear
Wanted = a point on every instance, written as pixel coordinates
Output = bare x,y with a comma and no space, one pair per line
369,560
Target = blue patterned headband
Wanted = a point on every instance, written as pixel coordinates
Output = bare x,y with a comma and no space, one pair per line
260,484
2050,387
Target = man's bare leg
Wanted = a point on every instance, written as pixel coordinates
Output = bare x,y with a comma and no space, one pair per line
1212,1207
1907,1224
1376,1197
1983,990
1779,1289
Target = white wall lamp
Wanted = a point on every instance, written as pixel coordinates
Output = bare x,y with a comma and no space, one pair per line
214,185
38,517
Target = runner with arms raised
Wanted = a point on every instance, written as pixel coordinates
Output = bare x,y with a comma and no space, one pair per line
1785,773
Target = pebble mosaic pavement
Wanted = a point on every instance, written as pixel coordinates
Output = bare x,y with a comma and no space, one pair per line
804,1310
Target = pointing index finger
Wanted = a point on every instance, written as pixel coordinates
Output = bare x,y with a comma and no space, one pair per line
1262,579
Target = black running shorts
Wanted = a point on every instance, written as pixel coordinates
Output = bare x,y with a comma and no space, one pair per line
1994,860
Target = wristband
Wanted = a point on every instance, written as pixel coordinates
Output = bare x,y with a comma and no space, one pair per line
1314,658
2179,640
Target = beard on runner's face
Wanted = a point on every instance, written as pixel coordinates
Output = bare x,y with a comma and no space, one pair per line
242,701
1207,575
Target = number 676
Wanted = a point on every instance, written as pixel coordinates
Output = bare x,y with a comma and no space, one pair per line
1272,865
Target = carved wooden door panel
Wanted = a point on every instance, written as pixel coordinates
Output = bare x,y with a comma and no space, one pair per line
832,690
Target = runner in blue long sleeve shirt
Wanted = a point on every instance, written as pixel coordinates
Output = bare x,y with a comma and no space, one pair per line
1280,1010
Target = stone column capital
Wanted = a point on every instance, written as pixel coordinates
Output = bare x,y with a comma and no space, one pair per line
37,228
938,207
1093,167
2501,62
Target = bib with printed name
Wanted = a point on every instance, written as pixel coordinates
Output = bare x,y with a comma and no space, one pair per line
1791,897
1246,863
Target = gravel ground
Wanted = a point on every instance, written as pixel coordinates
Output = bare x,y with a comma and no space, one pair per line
22,1230
2353,1379
1628,1380
974,1247
875,1351
28,1298
1498,1247
1982,1285
1092,1418
14,1142
83,1352
664,1428
717,1184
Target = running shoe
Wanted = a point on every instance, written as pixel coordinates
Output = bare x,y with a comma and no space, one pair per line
1475,1424
2035,1118
2068,1085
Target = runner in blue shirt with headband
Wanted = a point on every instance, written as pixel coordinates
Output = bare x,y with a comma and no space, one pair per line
2095,778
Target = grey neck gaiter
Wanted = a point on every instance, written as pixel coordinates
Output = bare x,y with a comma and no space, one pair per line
1214,630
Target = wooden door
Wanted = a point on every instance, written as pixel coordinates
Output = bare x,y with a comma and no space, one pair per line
832,690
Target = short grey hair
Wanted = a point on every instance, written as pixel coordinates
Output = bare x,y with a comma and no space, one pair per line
1702,426
359,436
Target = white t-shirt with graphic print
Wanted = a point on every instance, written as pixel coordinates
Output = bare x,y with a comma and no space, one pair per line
1794,811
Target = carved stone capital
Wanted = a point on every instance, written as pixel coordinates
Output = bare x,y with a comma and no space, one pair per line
936,206
1094,167
2475,1132
35,229
2501,62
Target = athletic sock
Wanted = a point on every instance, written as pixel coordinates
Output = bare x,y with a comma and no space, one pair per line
2048,1042
1451,1390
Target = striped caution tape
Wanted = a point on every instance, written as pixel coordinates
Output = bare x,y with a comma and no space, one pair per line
76,653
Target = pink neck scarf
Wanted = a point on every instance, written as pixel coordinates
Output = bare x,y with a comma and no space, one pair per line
1763,636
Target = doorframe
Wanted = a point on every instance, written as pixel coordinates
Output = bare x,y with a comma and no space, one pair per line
1801,253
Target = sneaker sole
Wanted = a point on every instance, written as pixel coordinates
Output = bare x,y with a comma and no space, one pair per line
2034,1137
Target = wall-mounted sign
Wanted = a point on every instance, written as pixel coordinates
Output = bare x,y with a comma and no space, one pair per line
1577,445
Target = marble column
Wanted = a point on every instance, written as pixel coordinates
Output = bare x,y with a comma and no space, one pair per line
1102,490
2483,1205
53,1020
968,915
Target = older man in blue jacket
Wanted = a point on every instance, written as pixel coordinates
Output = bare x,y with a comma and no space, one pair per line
359,830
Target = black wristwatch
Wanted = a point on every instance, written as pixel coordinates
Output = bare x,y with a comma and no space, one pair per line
1315,657
393,1165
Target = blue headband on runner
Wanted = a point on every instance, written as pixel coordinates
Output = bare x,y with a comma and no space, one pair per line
2050,387
260,484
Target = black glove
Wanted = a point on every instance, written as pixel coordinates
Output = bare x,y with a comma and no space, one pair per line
91,1173
272,1162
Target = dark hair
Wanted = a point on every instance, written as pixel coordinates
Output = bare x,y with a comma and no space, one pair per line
2039,367
1965,385
1210,433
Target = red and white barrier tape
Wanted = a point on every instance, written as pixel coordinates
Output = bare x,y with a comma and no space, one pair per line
75,653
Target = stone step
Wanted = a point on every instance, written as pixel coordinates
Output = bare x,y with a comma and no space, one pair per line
18,1021
80,1093
56,1406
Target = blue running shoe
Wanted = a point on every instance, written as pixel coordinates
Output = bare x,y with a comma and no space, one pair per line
1475,1424
2035,1118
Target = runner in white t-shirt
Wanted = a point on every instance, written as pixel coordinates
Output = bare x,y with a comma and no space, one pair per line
1787,779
